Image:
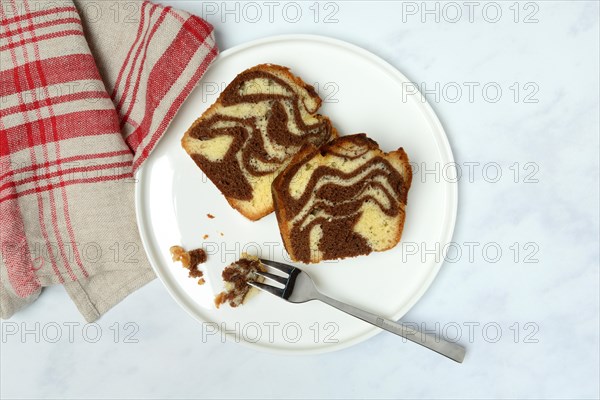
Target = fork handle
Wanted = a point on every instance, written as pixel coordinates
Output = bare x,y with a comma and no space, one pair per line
436,343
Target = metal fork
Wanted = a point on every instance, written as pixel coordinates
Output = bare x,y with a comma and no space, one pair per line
300,288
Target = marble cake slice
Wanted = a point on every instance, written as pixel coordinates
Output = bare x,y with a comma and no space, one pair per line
343,200
249,135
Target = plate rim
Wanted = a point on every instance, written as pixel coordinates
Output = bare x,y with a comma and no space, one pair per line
451,205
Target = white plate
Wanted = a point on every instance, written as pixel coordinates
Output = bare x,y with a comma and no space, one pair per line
362,93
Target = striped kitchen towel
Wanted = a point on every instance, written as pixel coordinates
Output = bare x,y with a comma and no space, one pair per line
87,90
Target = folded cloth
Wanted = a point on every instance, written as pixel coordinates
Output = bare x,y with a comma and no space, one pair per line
87,90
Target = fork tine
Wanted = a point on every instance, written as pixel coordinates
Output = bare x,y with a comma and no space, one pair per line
277,265
267,288
273,277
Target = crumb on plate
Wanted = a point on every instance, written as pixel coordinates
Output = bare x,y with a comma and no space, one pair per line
189,259
236,277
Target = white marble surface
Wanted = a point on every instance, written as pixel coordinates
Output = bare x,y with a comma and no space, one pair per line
556,355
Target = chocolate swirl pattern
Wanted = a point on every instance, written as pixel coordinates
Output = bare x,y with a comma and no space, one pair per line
344,200
249,135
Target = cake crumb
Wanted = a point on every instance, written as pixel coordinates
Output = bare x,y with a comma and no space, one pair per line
210,216
201,281
189,259
236,277
205,237
221,233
